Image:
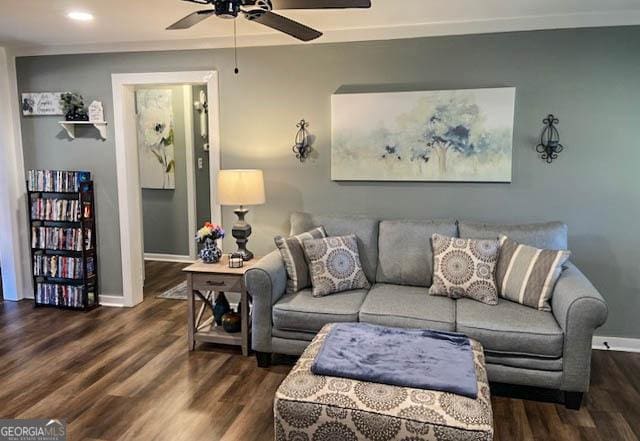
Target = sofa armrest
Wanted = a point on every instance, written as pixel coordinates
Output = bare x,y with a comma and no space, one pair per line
579,309
266,282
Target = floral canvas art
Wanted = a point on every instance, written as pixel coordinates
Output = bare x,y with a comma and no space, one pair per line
155,138
451,135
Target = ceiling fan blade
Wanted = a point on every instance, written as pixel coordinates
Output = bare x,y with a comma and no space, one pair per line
283,24
191,19
320,4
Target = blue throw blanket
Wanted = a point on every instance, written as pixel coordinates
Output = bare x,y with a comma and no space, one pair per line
416,358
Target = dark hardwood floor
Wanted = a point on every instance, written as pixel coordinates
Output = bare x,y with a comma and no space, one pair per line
126,374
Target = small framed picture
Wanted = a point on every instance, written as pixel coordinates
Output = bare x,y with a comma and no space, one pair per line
41,104
96,112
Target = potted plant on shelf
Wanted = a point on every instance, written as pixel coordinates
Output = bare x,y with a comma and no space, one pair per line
208,235
73,107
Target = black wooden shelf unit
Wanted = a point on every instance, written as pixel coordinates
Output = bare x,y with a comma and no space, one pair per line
63,239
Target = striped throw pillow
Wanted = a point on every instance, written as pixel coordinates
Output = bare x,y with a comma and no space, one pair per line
527,275
295,261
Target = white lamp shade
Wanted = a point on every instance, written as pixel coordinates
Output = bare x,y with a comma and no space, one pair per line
240,187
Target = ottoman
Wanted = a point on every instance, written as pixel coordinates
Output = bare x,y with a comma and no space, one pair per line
310,407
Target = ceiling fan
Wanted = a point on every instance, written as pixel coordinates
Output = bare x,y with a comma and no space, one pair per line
261,11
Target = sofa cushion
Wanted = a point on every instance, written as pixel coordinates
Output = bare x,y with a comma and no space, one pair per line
404,250
510,328
303,312
293,335
550,235
407,306
524,362
366,229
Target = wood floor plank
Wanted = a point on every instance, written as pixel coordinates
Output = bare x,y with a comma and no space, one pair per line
126,374
614,426
578,418
539,427
555,427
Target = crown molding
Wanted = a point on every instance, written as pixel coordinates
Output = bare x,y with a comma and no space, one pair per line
497,25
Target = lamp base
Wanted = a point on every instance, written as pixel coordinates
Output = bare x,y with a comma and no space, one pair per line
246,254
241,231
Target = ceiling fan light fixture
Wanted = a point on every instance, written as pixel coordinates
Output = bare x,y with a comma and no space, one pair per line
80,16
227,9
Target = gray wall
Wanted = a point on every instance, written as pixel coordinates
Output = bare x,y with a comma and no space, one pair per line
165,212
589,78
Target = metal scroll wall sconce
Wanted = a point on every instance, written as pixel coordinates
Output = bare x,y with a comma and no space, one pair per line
550,146
302,147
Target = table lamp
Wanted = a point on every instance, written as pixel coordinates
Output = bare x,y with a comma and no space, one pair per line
241,187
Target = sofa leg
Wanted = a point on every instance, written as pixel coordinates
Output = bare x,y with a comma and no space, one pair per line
264,359
573,400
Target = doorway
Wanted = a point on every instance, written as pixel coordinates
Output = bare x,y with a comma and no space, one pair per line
166,151
128,160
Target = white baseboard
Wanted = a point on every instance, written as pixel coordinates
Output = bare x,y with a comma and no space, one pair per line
616,344
113,301
168,258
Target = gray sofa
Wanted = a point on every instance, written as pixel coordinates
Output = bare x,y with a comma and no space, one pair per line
523,346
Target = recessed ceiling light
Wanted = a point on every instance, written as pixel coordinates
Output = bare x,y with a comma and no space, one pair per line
80,16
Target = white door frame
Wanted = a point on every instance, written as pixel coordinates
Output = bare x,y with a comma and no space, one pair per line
128,176
15,260
192,215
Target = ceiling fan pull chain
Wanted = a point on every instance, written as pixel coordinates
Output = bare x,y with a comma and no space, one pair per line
235,47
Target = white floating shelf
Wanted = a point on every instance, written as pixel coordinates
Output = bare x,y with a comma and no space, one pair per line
70,127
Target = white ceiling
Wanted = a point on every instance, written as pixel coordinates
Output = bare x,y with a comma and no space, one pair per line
41,26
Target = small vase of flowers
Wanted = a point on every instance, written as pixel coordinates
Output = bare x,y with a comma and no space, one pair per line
208,236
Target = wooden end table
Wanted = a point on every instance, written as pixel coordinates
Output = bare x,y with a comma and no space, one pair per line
205,281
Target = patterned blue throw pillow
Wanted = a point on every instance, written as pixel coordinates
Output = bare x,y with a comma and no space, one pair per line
334,265
465,268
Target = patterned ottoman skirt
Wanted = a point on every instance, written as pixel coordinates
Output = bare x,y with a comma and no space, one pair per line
310,407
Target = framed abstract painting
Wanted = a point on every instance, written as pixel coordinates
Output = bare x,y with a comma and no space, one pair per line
443,136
